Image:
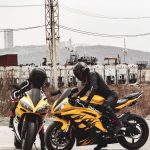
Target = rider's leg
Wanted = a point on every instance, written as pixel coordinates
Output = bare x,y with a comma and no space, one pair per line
41,134
101,145
108,107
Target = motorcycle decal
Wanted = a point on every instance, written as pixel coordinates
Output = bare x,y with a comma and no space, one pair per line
88,119
87,142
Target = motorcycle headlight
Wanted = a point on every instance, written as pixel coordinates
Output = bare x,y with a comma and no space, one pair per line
42,109
26,104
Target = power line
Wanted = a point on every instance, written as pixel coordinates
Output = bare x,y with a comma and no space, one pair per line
81,32
81,12
21,5
89,14
21,29
102,35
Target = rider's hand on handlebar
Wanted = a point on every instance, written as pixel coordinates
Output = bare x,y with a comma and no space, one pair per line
80,103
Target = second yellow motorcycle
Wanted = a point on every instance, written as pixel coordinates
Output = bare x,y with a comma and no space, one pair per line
87,126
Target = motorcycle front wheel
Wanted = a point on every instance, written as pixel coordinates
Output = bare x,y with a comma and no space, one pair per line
136,134
29,137
56,139
17,143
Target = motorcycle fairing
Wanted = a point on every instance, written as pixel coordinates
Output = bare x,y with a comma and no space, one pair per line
65,123
79,115
88,138
95,100
126,101
20,110
130,99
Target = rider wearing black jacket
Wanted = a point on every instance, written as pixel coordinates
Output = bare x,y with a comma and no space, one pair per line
95,84
37,78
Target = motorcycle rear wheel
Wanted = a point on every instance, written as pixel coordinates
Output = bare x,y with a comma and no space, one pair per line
29,137
142,138
55,138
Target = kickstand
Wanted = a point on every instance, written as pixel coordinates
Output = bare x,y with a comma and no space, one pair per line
35,146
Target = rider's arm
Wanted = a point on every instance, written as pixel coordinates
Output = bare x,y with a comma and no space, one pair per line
93,78
83,91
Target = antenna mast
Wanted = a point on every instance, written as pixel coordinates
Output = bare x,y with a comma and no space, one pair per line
52,35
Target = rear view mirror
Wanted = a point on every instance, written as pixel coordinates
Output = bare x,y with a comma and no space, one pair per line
16,86
54,93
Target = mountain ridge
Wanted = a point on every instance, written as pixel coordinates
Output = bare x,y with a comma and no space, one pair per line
35,53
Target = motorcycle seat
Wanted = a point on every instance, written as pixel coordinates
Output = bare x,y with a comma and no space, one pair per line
122,101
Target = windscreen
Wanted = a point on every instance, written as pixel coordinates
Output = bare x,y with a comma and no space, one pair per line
35,95
65,94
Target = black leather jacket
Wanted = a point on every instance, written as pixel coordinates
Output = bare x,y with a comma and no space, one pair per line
97,86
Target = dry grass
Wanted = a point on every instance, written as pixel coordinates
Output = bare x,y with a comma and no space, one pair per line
142,107
5,102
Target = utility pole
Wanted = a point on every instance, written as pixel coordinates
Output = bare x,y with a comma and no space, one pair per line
52,35
125,51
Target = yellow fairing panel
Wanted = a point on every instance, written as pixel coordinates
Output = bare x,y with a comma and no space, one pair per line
95,100
83,114
79,115
126,104
41,102
19,110
65,124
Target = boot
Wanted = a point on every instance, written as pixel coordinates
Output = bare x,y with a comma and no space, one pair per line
112,116
102,145
11,122
99,147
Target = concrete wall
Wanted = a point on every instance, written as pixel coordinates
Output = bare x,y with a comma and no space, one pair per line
112,74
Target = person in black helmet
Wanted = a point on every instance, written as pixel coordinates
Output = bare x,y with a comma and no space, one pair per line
36,79
95,84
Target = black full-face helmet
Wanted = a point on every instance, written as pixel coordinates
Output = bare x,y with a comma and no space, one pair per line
81,70
37,77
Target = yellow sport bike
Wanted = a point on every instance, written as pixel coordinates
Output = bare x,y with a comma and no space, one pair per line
87,126
30,113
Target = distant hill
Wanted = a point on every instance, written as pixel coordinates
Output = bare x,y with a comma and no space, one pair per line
34,54
101,51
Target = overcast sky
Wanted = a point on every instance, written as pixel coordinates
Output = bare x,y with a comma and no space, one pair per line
33,16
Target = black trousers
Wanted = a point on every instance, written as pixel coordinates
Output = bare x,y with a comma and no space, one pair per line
108,108
111,101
